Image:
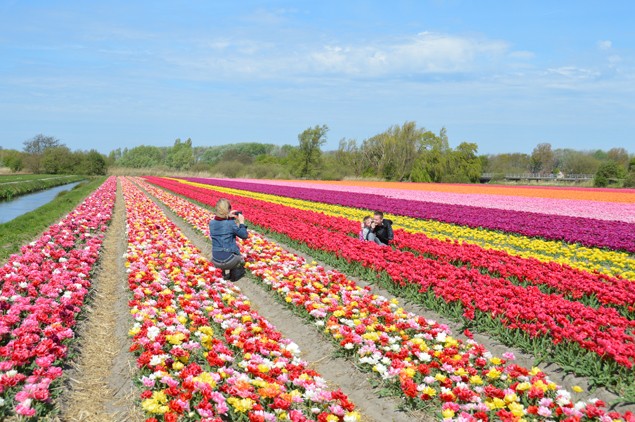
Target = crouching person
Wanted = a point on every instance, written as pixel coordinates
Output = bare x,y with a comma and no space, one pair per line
382,229
226,225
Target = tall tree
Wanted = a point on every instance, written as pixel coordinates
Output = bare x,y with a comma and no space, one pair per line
432,163
542,159
180,156
35,148
309,151
619,156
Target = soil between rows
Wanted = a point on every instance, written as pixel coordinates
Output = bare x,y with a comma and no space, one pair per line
99,386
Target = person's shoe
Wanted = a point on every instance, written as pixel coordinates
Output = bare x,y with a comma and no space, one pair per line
237,273
226,275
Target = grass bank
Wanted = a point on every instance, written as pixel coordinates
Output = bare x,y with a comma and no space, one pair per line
12,186
23,229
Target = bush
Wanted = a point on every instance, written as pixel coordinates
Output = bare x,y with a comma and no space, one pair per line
629,182
608,170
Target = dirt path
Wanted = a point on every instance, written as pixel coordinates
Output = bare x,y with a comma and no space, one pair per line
100,386
339,372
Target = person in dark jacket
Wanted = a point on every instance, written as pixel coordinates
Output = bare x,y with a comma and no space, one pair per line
224,228
382,228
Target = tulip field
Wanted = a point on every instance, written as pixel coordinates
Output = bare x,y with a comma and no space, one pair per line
548,271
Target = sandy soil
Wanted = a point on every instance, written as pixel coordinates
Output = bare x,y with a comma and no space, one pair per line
100,384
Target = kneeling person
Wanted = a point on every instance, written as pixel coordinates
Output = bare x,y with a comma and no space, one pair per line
223,230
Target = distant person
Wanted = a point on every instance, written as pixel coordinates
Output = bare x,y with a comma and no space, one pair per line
366,233
226,225
382,229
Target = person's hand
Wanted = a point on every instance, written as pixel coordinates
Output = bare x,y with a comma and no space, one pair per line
241,218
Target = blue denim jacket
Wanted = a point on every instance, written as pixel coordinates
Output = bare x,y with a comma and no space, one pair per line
223,234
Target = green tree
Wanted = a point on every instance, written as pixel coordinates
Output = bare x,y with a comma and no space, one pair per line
12,159
180,156
576,162
92,163
619,156
433,161
608,170
58,160
309,152
507,163
348,158
35,148
542,159
464,165
142,156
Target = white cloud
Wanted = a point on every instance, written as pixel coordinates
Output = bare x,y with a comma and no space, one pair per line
572,72
604,45
424,53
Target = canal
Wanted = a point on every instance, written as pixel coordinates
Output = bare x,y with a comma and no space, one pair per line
25,203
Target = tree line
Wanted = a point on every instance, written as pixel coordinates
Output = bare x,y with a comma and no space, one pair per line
404,152
615,166
48,155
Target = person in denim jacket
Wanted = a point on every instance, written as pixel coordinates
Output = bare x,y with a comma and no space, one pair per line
223,230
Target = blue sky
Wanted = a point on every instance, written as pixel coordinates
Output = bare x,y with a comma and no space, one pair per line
506,75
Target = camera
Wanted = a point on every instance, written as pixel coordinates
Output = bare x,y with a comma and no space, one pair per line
238,212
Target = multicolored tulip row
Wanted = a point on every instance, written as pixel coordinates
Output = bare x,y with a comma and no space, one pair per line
203,352
602,331
43,291
591,232
598,209
417,356
591,288
614,263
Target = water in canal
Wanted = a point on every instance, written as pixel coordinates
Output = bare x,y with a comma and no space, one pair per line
25,203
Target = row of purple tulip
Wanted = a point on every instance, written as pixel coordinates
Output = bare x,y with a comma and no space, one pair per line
616,235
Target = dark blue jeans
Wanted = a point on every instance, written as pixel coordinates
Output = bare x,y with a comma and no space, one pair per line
232,262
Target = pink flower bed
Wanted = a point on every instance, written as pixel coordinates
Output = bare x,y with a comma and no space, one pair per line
611,211
43,291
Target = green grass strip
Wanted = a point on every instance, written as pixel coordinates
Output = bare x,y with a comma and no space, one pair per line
12,188
25,228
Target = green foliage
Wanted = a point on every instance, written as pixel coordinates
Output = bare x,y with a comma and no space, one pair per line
608,170
306,158
542,159
180,156
507,163
58,160
92,163
142,156
434,160
629,181
12,159
464,165
244,152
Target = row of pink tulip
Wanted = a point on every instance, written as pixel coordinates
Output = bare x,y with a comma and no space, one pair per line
618,211
43,291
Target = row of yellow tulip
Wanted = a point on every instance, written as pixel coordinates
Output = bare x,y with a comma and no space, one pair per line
584,258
